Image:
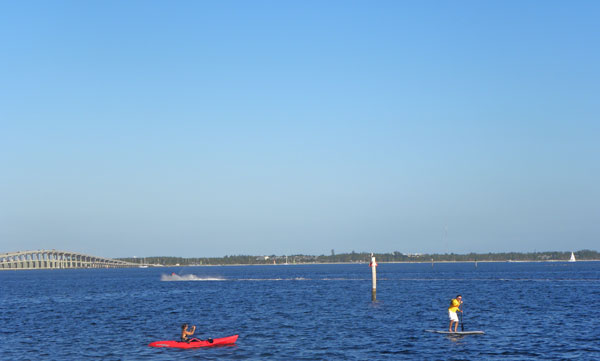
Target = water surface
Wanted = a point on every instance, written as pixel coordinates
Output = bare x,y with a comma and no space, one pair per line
545,310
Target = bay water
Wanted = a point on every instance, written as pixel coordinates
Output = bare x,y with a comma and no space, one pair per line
546,310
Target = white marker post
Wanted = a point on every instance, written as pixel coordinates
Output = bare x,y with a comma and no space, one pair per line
373,266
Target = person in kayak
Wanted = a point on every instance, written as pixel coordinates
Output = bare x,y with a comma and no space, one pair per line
454,307
185,333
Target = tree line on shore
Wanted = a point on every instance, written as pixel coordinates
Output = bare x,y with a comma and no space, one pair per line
357,257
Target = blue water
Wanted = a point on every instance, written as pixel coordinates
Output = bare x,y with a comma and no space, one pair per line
304,312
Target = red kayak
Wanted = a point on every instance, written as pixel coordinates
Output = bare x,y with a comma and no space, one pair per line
195,344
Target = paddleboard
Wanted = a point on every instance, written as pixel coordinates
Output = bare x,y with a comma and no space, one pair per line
195,344
459,333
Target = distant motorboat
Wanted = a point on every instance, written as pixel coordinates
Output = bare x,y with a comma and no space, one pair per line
572,259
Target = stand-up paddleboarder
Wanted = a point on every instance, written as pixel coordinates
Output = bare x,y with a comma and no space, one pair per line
454,307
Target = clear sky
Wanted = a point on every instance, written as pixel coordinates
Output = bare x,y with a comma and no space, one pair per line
212,128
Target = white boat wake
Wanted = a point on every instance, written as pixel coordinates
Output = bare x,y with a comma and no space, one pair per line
188,277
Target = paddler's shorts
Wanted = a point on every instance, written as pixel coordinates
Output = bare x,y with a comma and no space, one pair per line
453,316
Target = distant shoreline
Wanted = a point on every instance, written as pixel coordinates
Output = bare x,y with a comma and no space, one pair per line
57,259
366,263
364,257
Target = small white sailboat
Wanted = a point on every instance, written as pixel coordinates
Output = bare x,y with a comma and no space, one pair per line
572,259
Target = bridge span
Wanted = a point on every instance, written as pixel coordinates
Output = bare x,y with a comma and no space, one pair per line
54,259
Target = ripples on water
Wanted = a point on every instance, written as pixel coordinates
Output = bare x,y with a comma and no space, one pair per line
304,312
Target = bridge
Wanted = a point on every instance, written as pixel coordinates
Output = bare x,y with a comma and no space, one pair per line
53,259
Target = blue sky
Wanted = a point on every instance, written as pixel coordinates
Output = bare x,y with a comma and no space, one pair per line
198,129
